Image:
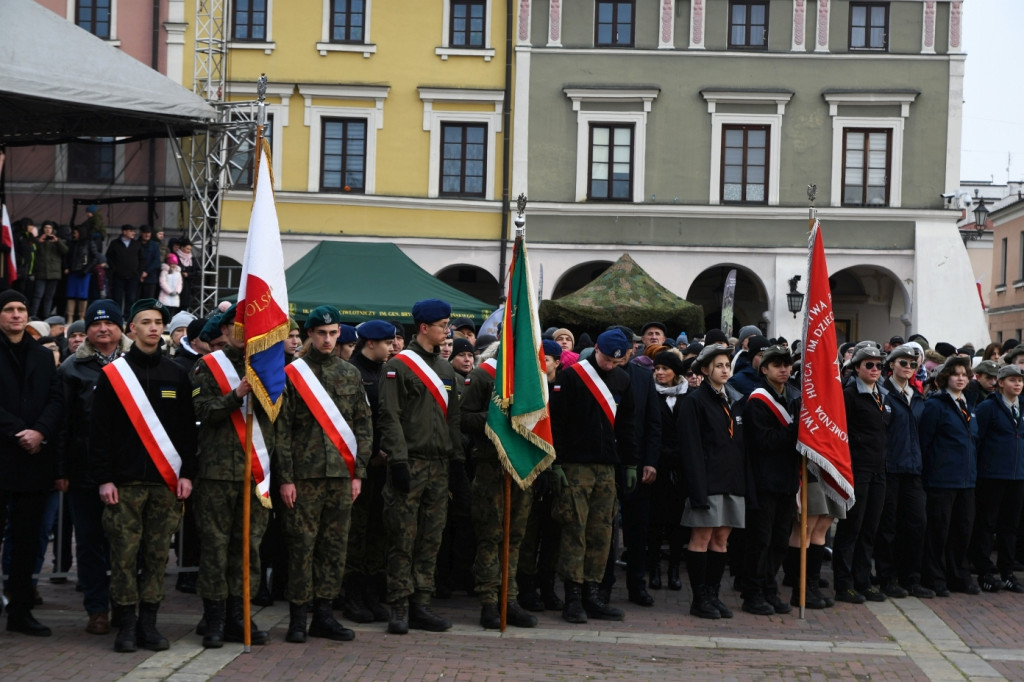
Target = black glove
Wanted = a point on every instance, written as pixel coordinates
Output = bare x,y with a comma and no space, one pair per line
399,474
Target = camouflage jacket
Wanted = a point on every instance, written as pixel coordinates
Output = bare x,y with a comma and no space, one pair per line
476,400
303,450
220,450
411,422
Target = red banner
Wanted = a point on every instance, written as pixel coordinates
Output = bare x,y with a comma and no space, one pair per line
822,435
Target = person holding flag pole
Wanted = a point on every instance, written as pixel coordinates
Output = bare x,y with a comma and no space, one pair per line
261,321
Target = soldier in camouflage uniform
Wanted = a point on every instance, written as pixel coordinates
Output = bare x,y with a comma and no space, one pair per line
420,432
218,494
142,508
488,503
317,486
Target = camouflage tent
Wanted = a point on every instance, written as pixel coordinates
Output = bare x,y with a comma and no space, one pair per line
623,294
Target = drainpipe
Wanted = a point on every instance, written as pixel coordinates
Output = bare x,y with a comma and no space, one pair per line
155,63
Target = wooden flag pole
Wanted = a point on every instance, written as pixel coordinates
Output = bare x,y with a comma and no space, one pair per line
246,511
505,568
812,191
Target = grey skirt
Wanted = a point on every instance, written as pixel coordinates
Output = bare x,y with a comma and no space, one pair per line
819,503
726,510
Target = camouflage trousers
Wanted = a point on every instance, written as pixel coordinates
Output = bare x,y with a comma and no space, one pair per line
139,529
585,509
218,507
367,541
489,524
414,523
316,532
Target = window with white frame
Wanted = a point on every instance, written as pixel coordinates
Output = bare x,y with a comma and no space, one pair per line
346,27
867,155
251,25
94,16
606,178
466,30
463,148
241,161
343,138
746,148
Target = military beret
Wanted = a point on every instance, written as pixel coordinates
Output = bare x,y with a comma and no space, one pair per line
990,368
144,304
551,348
614,343
709,352
1010,371
322,315
211,330
626,331
670,360
430,310
228,316
347,334
376,330
461,345
776,354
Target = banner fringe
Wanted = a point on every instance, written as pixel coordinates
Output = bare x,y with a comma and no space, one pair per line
823,467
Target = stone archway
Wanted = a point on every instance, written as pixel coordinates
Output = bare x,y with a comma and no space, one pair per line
473,281
869,302
750,302
578,277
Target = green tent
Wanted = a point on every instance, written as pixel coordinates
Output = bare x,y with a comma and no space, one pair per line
369,281
622,294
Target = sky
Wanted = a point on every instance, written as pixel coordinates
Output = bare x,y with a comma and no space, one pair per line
993,131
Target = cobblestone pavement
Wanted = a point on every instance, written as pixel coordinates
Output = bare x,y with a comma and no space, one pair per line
964,637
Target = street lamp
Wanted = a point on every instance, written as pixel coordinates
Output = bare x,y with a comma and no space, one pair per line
980,220
794,299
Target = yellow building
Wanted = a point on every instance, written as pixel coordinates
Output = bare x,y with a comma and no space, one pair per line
387,121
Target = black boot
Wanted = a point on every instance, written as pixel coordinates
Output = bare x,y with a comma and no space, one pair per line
296,623
654,575
125,641
716,568
573,611
262,596
596,607
552,602
398,623
324,625
422,618
673,577
352,605
213,615
697,569
146,634
371,597
490,619
20,619
515,616
186,582
234,626
791,567
528,597
814,598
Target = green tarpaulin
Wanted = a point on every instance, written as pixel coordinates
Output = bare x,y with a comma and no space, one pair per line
369,281
622,294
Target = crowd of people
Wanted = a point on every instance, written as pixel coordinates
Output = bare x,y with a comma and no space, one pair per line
376,489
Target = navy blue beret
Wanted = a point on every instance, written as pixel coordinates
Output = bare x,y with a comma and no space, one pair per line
430,310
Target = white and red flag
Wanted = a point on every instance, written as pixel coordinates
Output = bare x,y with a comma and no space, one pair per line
822,435
9,269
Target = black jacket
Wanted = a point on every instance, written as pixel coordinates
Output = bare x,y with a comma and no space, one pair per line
125,261
647,419
30,398
866,427
713,460
771,445
116,452
581,431
370,371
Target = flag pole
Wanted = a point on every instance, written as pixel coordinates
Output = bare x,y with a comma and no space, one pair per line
811,194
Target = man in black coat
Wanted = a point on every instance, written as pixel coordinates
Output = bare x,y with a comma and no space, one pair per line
30,417
126,263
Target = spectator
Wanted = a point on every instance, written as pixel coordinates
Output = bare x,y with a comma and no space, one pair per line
171,284
50,250
124,258
151,263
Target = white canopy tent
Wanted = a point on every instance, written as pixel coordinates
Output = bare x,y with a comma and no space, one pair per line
59,82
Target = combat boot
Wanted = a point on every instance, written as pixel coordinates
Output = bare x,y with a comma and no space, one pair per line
715,570
490,619
146,634
125,641
213,614
398,624
422,618
514,615
697,569
654,575
596,607
674,583
324,625
296,623
234,626
352,605
371,597
528,597
573,611
546,581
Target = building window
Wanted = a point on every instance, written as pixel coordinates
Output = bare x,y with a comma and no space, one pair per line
1002,264
92,162
250,21
866,159
94,17
745,164
869,26
240,166
463,159
613,26
343,155
748,24
611,163
1020,260
348,19
468,24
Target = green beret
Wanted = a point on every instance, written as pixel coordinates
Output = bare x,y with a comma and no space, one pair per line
228,316
321,315
211,330
149,304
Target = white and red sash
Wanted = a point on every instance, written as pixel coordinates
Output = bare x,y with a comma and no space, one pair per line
773,404
326,412
490,366
228,380
145,420
428,376
593,381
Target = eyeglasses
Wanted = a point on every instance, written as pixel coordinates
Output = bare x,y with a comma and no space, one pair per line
871,365
690,374
908,363
447,326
